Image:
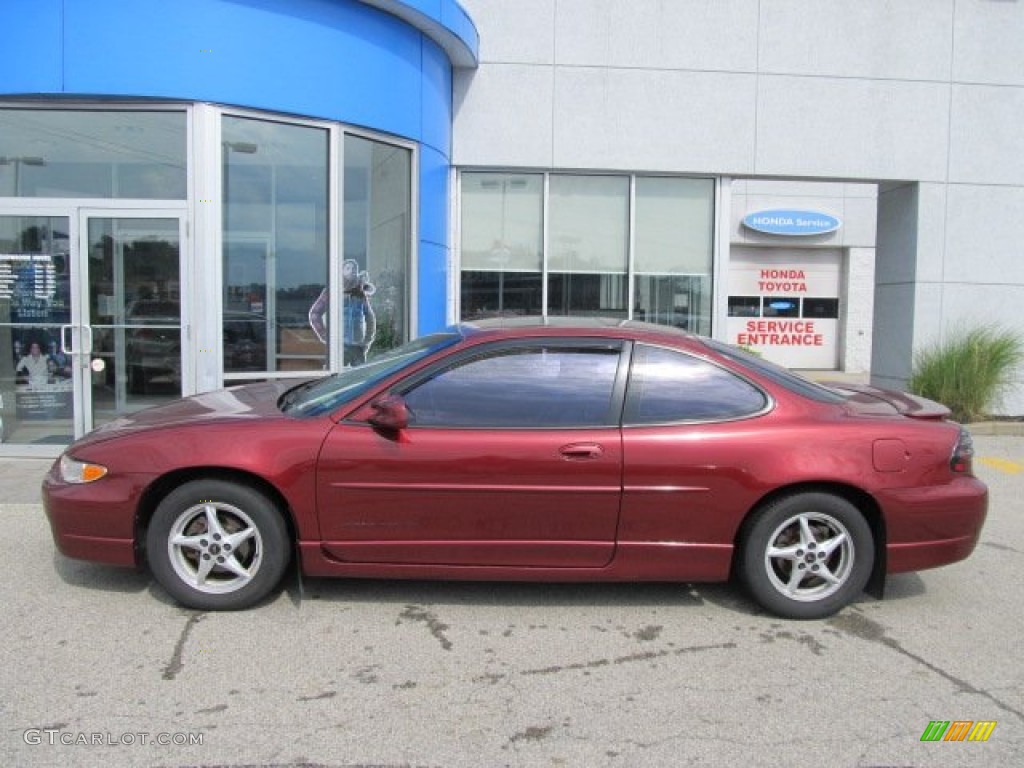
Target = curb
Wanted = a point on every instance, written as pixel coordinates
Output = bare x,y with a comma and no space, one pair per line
1005,428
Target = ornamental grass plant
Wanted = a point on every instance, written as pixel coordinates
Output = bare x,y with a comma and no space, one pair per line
969,371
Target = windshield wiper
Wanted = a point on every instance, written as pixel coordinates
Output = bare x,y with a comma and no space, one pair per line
287,400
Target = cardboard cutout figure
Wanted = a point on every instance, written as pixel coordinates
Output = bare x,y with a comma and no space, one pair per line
358,319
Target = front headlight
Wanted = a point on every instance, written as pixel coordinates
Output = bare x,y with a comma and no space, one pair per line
73,471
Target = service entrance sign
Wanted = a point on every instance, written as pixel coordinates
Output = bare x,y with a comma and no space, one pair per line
784,303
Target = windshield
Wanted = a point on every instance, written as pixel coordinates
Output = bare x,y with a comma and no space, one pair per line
782,376
324,395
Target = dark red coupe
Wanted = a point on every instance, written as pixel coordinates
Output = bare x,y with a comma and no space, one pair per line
560,450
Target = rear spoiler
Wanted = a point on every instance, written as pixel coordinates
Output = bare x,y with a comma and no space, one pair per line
906,404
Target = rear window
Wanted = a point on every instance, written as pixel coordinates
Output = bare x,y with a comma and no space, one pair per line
667,386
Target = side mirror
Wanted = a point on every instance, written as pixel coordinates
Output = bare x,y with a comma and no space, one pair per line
389,412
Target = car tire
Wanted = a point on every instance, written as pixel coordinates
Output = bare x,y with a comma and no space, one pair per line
807,555
217,545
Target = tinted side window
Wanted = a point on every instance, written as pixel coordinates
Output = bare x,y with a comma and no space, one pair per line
531,387
667,386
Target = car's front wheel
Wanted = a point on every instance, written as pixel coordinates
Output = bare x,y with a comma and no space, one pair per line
217,545
807,555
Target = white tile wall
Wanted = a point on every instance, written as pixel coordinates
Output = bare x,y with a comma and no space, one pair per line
871,39
987,42
923,97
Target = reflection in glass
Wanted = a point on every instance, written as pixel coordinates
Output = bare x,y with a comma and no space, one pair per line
682,301
668,386
588,249
673,226
495,294
93,153
588,245
275,244
502,238
377,236
559,386
821,308
781,306
134,313
36,398
744,306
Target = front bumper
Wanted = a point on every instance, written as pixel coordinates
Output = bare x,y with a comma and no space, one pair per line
94,521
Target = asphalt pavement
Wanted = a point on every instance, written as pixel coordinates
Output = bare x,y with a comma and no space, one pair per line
102,669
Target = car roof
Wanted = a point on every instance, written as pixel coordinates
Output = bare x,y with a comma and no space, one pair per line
573,326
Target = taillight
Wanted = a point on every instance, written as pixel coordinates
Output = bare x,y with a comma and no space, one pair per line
963,453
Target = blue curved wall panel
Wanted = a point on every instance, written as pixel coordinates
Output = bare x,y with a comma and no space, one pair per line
382,64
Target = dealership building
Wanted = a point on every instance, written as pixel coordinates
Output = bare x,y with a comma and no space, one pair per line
207,192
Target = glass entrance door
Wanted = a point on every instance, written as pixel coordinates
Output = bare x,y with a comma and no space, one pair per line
128,338
36,376
90,321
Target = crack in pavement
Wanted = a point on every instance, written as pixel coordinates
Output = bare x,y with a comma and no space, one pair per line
632,657
859,625
175,665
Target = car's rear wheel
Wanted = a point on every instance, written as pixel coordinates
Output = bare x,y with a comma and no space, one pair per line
807,555
217,545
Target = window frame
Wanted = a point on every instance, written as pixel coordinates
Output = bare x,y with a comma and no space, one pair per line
707,321
209,161
109,105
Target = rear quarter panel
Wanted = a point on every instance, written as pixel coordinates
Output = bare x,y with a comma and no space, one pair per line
697,483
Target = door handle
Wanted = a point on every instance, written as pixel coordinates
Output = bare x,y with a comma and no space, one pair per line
581,451
67,339
67,336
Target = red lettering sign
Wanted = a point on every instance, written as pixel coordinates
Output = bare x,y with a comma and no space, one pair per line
780,333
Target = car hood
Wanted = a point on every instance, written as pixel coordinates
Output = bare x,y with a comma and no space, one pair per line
868,400
250,401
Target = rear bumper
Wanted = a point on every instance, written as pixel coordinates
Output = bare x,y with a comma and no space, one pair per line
933,526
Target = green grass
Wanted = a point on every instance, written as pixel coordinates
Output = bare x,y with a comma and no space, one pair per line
969,370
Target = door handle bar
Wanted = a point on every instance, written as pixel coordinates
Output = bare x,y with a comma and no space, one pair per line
67,339
581,451
67,336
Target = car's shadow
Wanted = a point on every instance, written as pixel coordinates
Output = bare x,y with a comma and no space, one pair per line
299,590
105,578
514,593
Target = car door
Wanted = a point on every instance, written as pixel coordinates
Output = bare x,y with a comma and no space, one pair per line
512,457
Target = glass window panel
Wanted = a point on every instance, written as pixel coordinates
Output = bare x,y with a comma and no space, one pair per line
676,300
674,222
580,294
824,308
377,248
781,306
275,244
497,294
93,153
550,387
667,386
744,306
589,224
35,301
502,222
377,241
